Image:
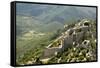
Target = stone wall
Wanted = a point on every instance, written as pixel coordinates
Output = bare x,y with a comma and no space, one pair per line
79,37
67,39
49,52
68,42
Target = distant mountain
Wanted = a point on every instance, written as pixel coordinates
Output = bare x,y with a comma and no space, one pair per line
39,25
49,13
45,18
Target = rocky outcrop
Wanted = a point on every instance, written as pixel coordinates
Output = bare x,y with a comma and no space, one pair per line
71,37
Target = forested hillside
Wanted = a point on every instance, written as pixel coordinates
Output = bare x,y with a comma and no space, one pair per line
37,26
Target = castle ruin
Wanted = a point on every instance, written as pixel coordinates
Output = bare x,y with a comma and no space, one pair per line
72,37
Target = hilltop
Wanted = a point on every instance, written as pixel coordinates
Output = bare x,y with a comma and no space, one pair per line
74,43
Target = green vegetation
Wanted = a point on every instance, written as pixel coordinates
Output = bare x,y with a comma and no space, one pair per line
32,38
37,26
56,43
78,54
